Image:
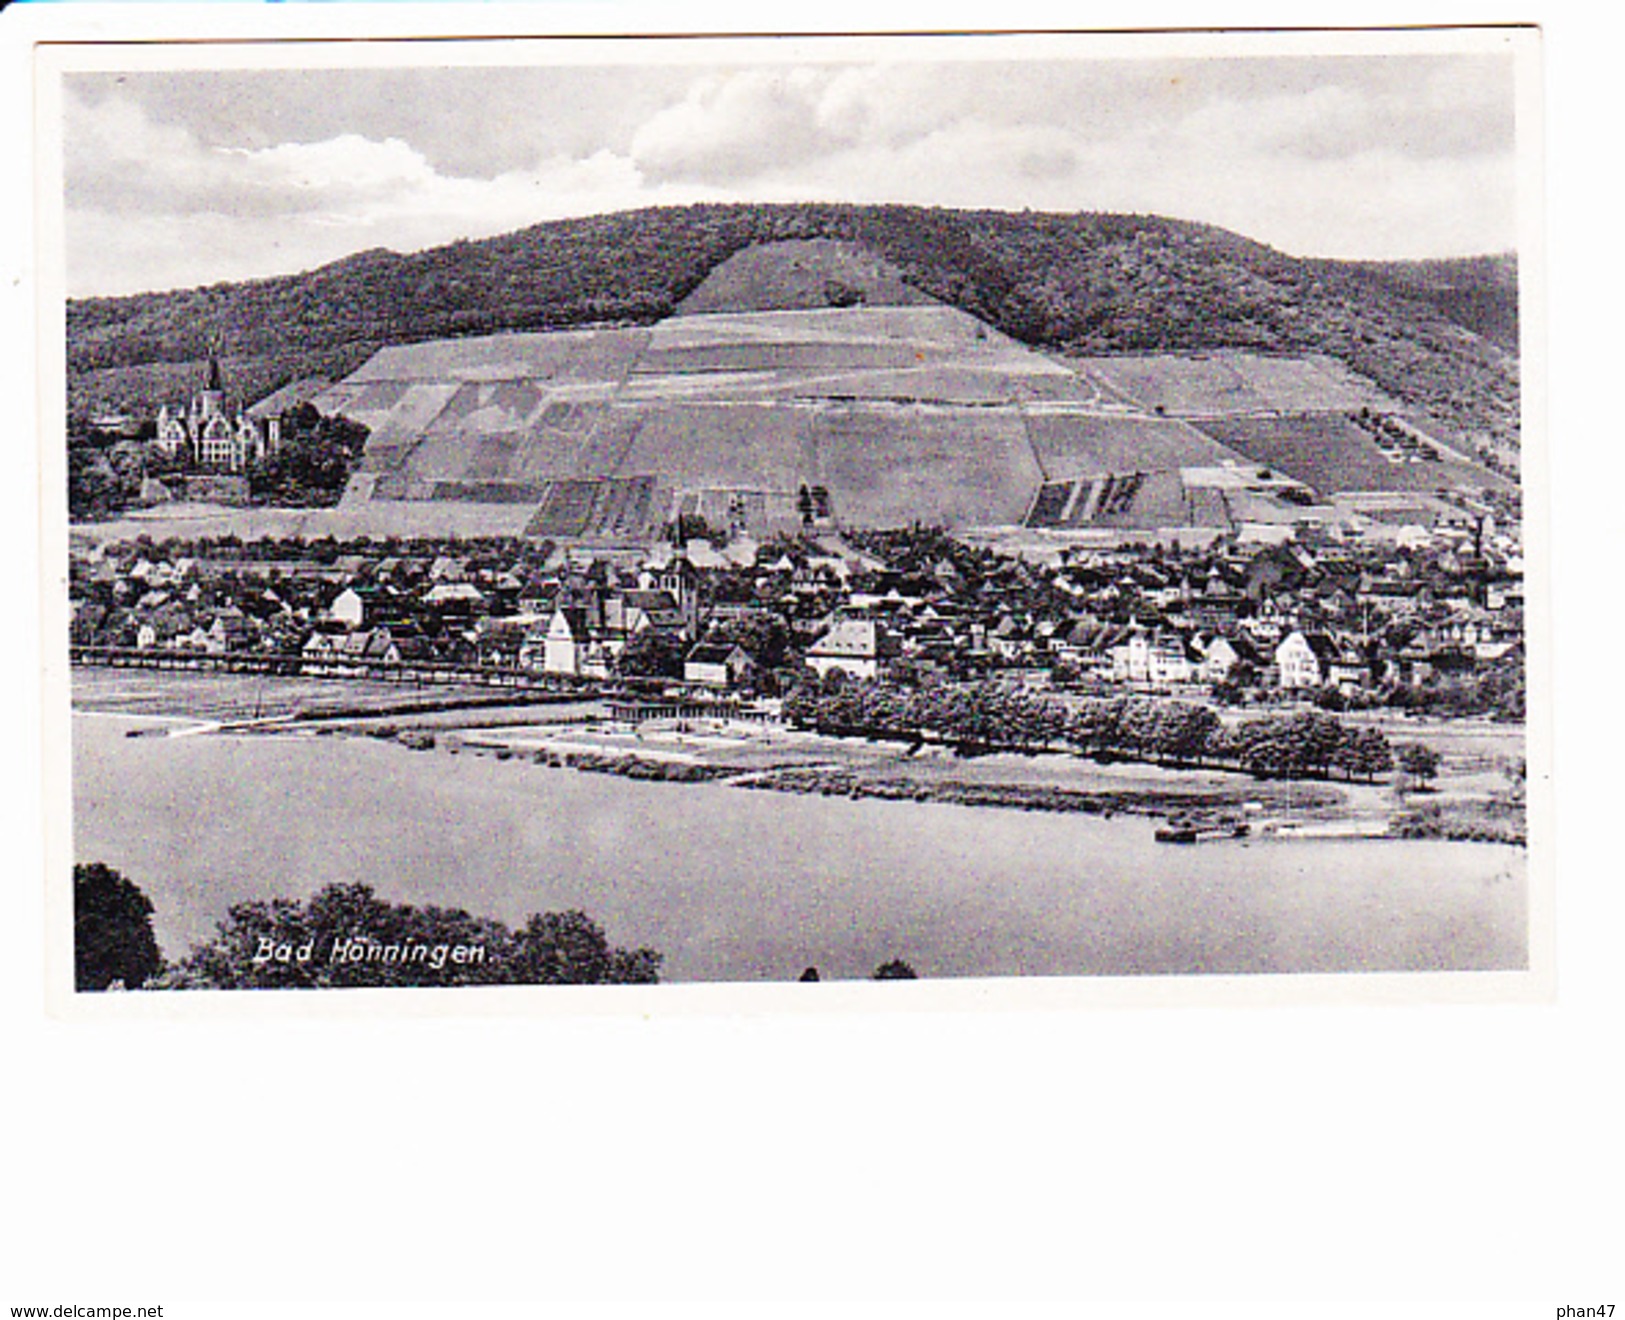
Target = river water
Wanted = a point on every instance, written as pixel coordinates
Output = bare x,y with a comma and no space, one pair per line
737,885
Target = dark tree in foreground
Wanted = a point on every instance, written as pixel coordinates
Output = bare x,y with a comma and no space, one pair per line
895,970
346,935
112,930
568,948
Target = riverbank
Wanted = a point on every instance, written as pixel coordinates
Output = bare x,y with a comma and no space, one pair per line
1464,822
577,734
773,759
735,885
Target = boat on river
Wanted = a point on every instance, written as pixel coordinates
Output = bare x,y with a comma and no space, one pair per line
1201,829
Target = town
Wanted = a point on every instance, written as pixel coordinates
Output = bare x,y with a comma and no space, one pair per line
1434,624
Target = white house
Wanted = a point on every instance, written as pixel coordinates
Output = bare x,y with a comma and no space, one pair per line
348,608
1222,654
1159,658
1305,659
859,647
568,646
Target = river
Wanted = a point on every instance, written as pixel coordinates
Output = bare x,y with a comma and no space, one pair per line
736,885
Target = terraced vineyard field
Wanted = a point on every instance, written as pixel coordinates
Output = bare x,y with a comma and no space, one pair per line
941,467
1226,384
1330,453
799,273
1088,444
812,364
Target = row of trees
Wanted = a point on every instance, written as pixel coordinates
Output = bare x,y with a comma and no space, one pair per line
345,935
992,717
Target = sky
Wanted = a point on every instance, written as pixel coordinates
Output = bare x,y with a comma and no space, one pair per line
183,178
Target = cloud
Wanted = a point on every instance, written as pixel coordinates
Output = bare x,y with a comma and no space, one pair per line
738,125
1461,108
148,207
1319,157
344,165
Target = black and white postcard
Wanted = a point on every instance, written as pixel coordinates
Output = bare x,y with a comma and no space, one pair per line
1038,516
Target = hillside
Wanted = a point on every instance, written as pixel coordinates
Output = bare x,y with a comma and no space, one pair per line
897,411
1076,284
1478,293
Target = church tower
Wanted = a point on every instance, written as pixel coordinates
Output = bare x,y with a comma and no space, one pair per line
214,439
210,401
681,580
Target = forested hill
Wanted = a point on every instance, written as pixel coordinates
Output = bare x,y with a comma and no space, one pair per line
1480,293
1072,283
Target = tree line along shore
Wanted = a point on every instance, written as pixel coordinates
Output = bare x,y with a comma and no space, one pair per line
345,936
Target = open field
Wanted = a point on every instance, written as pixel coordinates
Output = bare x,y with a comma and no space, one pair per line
1182,386
471,418
208,697
799,273
1076,444
933,384
558,355
377,518
717,444
887,469
1226,383
934,328
904,412
786,355
1332,454
1307,383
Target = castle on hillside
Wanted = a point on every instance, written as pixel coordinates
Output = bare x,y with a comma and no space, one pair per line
202,433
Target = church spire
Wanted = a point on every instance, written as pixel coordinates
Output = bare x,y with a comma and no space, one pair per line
214,375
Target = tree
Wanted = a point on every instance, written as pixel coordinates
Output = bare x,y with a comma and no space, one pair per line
128,460
652,654
1364,753
112,930
1419,764
764,637
314,461
568,948
345,935
895,970
688,527
94,488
